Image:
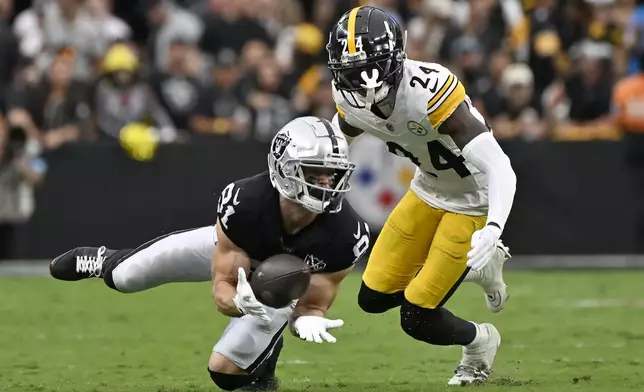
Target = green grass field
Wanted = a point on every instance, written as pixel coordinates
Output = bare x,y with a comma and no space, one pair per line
562,331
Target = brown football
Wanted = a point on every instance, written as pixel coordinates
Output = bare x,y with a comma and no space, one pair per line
280,279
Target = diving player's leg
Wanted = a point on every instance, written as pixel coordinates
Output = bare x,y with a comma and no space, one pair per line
245,357
423,316
398,254
490,278
182,256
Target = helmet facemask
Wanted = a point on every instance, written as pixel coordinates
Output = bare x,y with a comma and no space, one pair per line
318,185
364,84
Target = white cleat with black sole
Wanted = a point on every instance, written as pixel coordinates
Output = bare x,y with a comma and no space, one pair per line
80,263
490,278
476,364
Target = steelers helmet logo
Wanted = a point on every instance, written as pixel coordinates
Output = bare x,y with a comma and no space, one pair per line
280,143
416,128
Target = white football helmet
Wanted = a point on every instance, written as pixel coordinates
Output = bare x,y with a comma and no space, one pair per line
302,148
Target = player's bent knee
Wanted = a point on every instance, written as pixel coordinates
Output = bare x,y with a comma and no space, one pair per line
229,382
372,301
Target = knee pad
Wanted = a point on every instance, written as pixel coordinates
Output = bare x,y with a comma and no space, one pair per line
230,382
372,301
435,326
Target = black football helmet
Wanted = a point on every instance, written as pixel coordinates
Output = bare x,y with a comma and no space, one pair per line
366,55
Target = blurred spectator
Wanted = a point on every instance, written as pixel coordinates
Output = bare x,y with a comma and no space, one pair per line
633,35
482,19
21,168
491,100
426,32
271,110
253,54
417,47
122,97
178,87
545,44
581,104
589,90
168,24
270,63
516,116
228,25
8,45
55,110
28,29
67,23
110,29
467,59
221,108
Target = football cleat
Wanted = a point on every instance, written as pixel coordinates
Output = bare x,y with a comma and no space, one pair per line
490,278
476,364
80,263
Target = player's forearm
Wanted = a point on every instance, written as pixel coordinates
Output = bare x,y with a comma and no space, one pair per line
485,153
223,293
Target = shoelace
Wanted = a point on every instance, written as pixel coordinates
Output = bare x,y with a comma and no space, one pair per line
471,370
91,264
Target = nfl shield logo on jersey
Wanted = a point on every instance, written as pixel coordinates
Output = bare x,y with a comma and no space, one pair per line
280,143
416,128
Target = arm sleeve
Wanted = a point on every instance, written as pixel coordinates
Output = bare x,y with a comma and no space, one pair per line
486,155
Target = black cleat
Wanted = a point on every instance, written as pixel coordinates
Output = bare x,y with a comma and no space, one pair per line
80,263
270,383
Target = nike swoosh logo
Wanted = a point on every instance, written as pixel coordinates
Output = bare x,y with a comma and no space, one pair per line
433,89
494,299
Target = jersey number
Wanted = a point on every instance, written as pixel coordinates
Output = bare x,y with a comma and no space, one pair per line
425,83
436,151
224,199
363,242
345,49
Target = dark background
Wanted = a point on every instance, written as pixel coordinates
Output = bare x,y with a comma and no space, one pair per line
571,197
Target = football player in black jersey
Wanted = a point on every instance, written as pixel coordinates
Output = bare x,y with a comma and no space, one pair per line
297,207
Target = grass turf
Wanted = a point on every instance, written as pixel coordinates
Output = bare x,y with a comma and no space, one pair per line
562,331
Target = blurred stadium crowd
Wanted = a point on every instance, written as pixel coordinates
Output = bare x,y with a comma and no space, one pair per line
85,69
112,70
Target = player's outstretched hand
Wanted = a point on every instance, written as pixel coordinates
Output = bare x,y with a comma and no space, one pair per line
314,328
484,244
245,300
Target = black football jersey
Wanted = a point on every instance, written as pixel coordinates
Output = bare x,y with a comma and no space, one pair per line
249,214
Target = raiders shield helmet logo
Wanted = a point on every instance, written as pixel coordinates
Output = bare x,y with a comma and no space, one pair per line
280,143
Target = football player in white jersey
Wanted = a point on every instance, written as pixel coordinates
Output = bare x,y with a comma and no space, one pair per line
446,229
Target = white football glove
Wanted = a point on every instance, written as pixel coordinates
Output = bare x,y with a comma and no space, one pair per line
245,300
484,243
314,328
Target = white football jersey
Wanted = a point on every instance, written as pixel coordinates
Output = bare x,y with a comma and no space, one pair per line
427,95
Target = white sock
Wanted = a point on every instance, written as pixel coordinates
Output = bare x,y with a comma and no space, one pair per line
481,337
